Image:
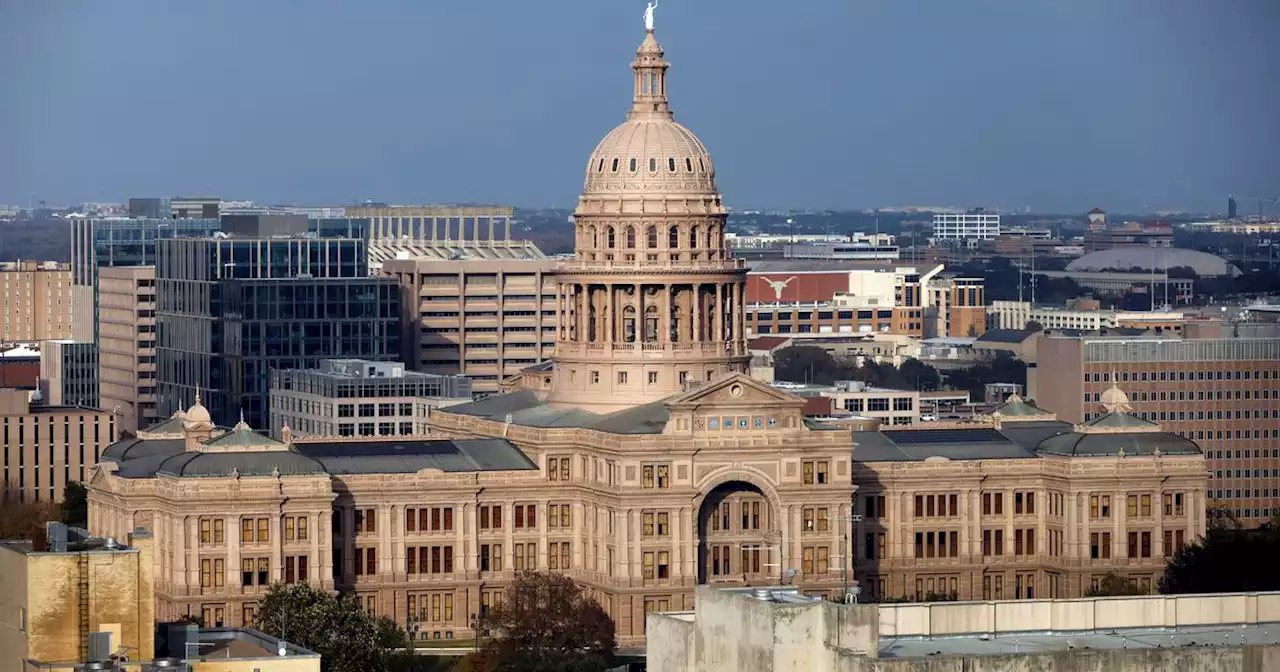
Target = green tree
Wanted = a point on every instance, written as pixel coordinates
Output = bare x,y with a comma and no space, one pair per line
337,627
546,624
1227,559
75,504
1114,584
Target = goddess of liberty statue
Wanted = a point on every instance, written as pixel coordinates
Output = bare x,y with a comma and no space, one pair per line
648,15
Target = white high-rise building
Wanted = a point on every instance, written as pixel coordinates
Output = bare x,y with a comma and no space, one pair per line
976,225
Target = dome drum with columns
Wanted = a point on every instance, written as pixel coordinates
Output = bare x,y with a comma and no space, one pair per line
652,301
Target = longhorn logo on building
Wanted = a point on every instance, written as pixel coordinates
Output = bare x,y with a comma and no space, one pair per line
778,285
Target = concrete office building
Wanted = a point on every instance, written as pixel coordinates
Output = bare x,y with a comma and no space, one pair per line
68,601
968,227
47,446
890,407
195,207
35,301
127,344
72,603
441,232
233,307
357,397
844,297
1222,392
485,319
20,365
69,373
118,241
780,628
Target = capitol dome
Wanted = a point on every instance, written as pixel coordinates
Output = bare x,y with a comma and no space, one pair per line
649,152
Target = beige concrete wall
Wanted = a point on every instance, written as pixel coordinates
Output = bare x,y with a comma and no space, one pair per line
274,664
14,618
116,603
941,619
677,632
1184,659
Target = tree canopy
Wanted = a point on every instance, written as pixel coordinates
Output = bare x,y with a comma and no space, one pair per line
335,626
25,520
1226,559
547,624
812,364
75,504
1114,584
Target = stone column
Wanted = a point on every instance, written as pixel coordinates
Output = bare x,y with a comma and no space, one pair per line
461,558
179,574
1157,543
277,546
1119,517
323,547
640,317
717,334
315,565
231,535
696,300
625,542
664,320
396,533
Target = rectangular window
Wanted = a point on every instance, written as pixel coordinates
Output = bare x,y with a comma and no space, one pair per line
246,530
264,530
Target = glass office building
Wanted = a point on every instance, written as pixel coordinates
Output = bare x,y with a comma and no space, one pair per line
232,309
120,241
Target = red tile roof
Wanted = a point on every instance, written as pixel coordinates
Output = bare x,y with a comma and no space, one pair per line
767,342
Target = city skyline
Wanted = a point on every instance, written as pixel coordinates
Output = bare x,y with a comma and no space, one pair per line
1140,107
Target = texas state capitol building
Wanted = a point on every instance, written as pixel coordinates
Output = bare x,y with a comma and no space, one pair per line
642,460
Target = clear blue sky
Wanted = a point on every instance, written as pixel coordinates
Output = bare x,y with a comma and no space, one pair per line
1054,104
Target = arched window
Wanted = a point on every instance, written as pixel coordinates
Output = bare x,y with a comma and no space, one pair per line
702,167
601,168
693,237
615,165
651,238
711,238
633,165
673,238
595,237
688,163
631,237
608,237
653,165
671,165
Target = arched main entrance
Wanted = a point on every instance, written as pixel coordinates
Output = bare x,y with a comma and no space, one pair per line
739,536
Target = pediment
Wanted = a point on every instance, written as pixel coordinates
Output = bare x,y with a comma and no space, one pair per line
736,391
100,480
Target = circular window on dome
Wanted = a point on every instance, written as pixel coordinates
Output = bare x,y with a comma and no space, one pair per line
671,165
633,165
653,165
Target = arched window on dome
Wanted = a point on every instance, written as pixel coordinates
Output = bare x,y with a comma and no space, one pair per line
671,165
673,238
651,238
702,167
601,168
688,163
608,237
631,237
693,237
633,165
653,165
615,165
